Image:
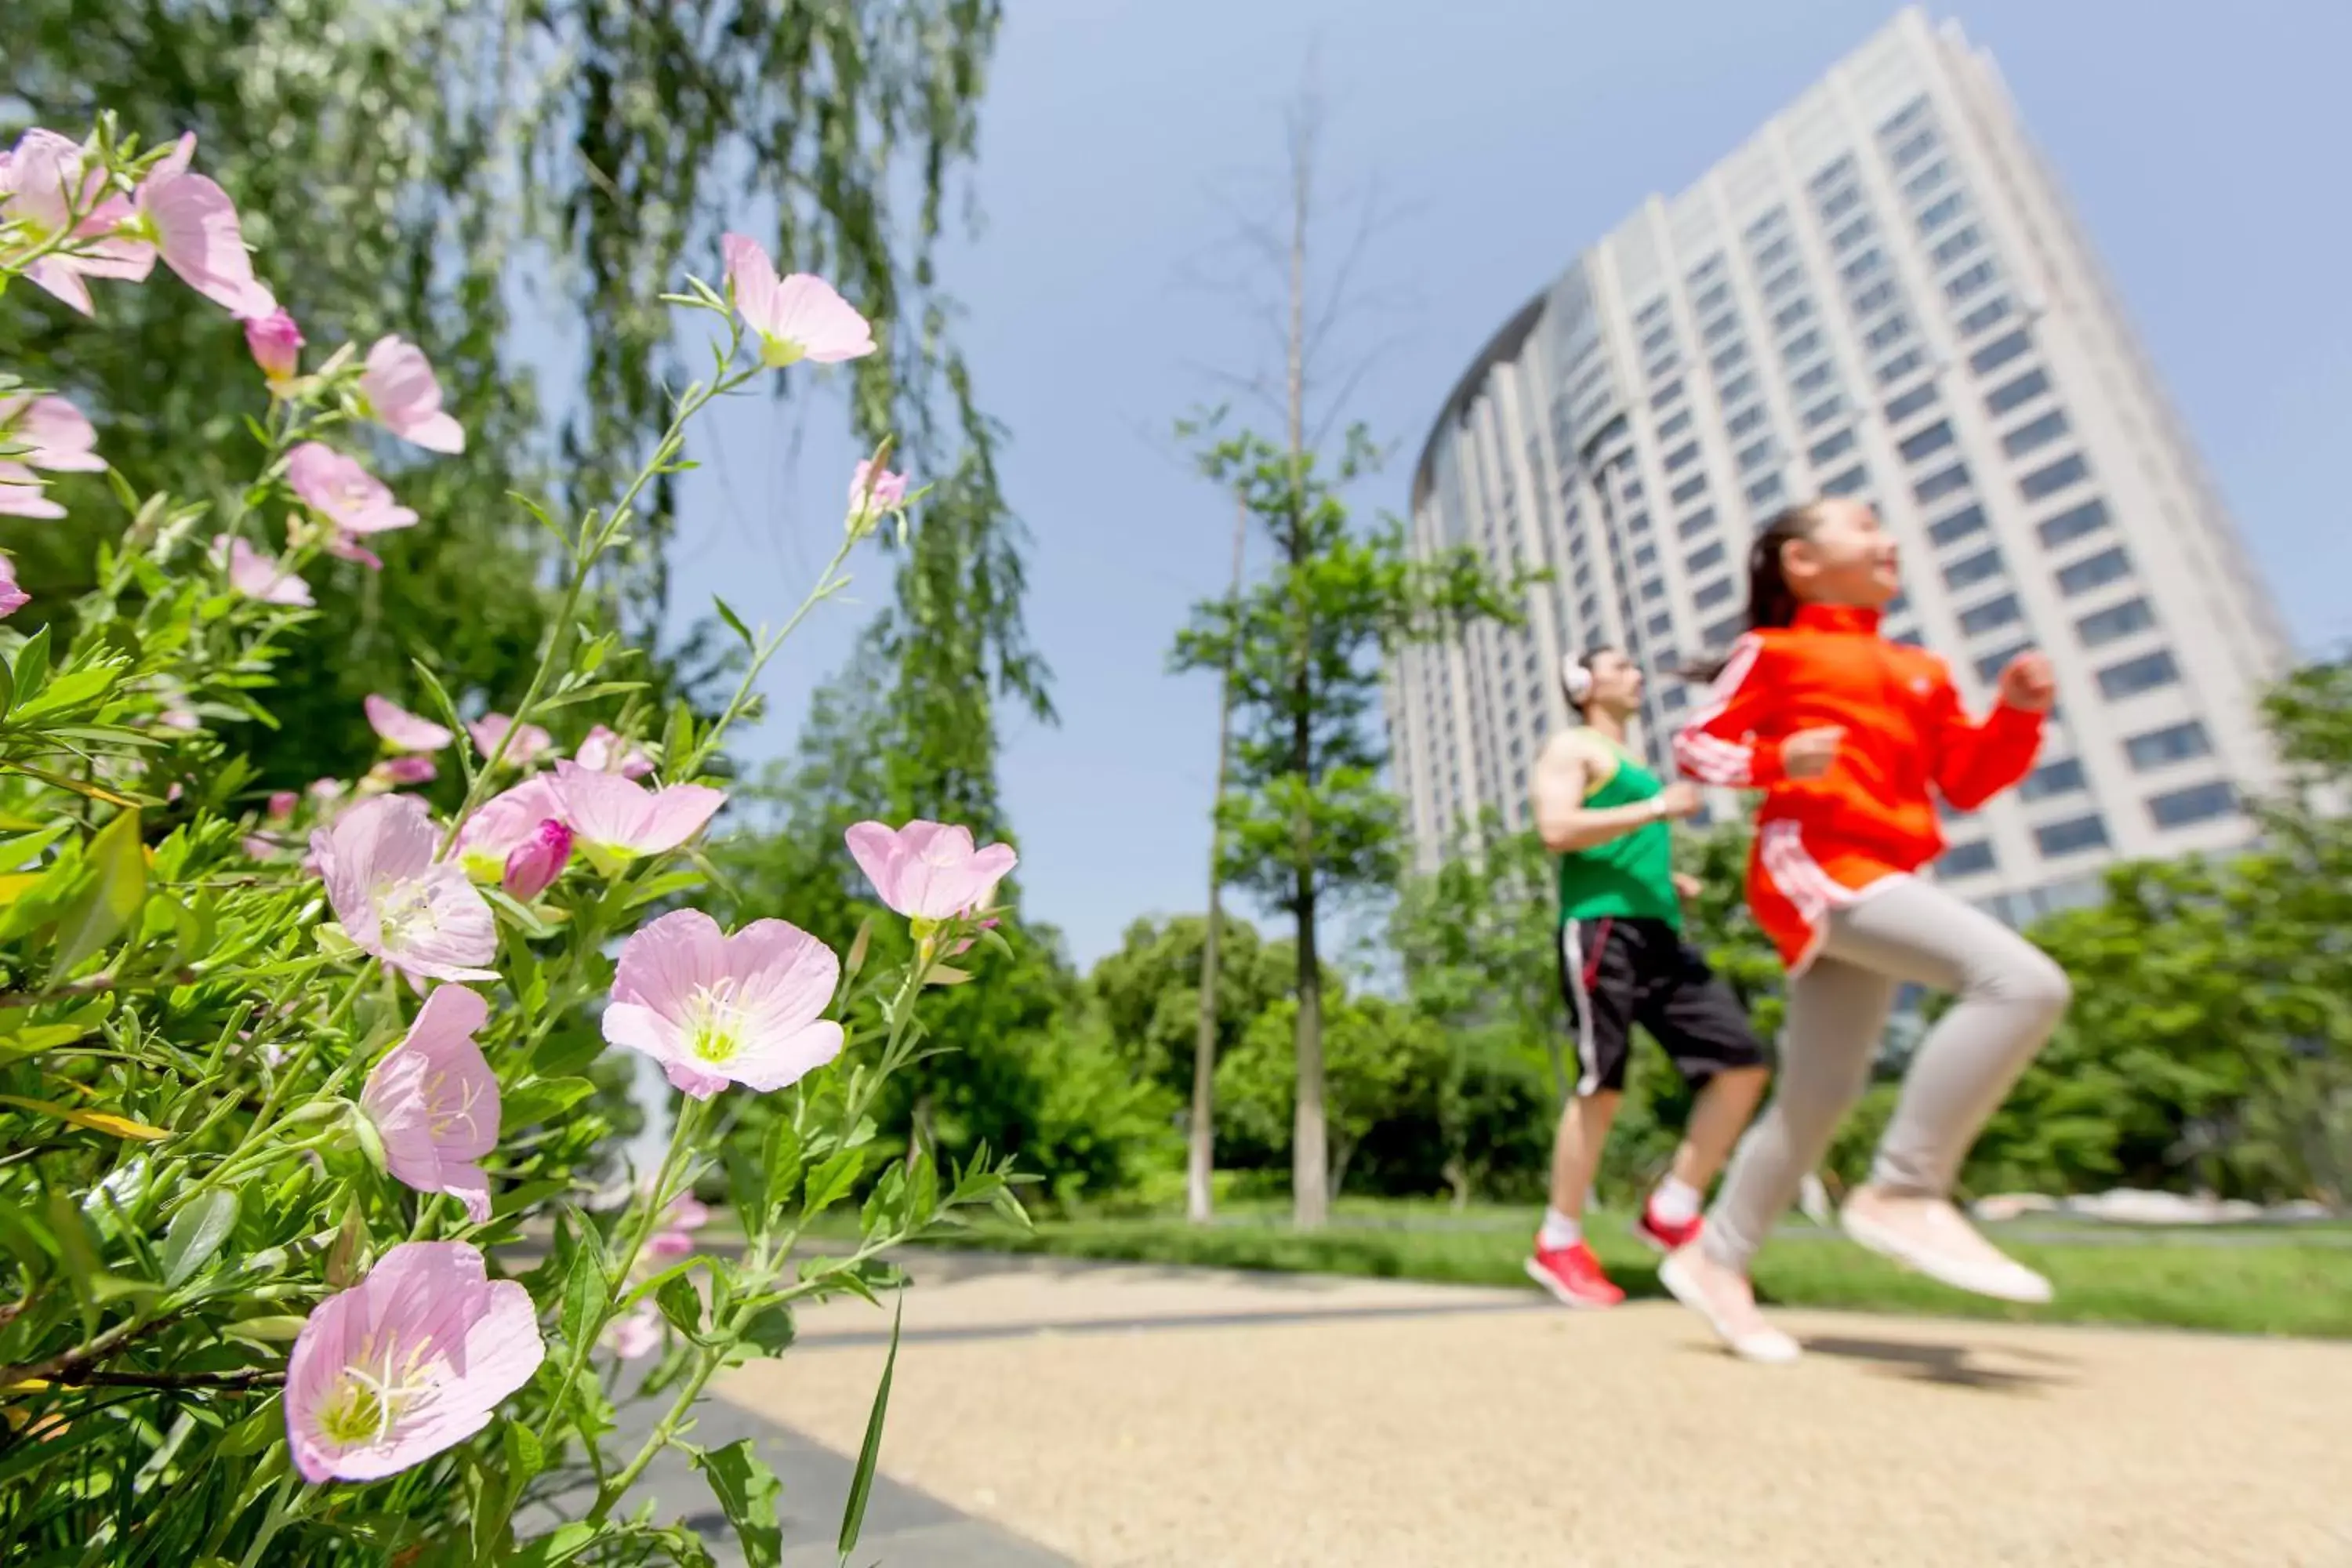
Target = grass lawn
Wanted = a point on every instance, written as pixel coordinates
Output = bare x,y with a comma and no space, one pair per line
2282,1287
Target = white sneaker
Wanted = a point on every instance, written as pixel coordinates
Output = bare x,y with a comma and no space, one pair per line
1724,1300
1930,1235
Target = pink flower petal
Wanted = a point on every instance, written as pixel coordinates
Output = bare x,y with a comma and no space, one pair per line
339,491
434,1101
613,816
401,729
394,900
796,318
403,396
259,576
54,433
714,1009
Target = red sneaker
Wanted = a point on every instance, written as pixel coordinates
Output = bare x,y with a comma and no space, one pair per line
1573,1276
1665,1235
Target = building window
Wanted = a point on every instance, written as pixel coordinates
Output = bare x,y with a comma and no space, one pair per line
1990,666
1665,394
1734,355
1722,327
1676,699
1912,151
1735,390
2199,803
2049,482
1934,487
1653,589
1743,421
1926,180
1876,297
1839,202
1966,859
1968,280
1920,396
1821,413
2115,624
1901,366
1722,632
2070,837
1863,265
1969,571
1910,115
1690,488
2134,675
1999,351
1780,283
1772,253
1697,523
1756,456
2035,434
1671,427
1646,556
1764,491
1835,446
2173,743
1852,233
1959,526
1801,347
1704,557
1790,314
1989,314
1708,302
1814,379
2016,394
1888,333
1846,483
1657,340
2063,776
2109,565
2076,523
1934,438
1682,456
1941,212
2001,612
1713,594
1661,625
1954,246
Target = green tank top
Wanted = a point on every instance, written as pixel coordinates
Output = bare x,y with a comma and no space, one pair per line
1630,877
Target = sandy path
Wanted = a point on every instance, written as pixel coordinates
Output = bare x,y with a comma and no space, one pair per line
1195,1418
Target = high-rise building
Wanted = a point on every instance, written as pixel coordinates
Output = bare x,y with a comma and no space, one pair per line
1882,294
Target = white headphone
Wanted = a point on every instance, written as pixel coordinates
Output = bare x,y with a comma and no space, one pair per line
1576,679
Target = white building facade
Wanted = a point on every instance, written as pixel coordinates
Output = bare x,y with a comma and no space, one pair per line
1882,294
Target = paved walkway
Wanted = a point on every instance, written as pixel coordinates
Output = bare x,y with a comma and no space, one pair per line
1120,1414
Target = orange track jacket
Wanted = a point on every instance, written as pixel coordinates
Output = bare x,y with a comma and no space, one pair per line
1822,842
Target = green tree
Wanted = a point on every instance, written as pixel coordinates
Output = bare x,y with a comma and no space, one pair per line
1384,1064
1308,822
1149,992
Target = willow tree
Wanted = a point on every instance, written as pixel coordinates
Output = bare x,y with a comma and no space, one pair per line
500,179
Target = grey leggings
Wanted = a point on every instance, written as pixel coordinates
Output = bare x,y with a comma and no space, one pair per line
2011,997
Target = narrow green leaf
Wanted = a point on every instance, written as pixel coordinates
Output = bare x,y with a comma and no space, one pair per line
735,622
31,669
541,1099
196,1232
747,1491
869,1454
98,915
783,1157
558,1546
681,1303
833,1180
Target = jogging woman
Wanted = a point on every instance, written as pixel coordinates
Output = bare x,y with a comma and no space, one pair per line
1622,961
1851,738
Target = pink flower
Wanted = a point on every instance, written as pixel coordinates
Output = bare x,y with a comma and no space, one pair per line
607,753
402,395
51,433
335,487
538,861
616,820
503,826
326,791
394,900
180,719
12,597
796,318
43,181
407,769
276,342
873,495
676,1239
400,729
636,1336
716,1009
192,221
434,1101
282,804
530,745
259,576
927,870
24,493
409,1362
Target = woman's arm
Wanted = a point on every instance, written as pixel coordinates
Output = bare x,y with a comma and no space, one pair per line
1719,745
1976,762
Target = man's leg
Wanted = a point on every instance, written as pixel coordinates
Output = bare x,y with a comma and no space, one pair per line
1705,1031
1596,975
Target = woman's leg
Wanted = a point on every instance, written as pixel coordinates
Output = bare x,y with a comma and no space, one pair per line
1837,1010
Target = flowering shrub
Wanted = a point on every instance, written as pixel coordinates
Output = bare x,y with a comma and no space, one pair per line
303,1252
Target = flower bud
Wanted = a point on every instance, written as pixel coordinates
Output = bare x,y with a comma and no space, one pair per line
276,345
538,861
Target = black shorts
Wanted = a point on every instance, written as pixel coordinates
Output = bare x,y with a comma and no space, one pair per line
1616,973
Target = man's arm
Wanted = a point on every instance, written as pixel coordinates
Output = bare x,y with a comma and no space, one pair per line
1563,821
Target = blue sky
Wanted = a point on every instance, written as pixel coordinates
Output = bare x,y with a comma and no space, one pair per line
2202,152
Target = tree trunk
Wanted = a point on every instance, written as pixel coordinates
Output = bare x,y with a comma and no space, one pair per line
1200,1160
1310,1203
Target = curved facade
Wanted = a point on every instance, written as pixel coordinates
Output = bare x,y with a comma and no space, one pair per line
1882,294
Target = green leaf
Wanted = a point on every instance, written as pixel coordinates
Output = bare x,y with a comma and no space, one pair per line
770,1328
8,690
833,1180
735,622
585,1293
858,949
782,1158
99,912
541,1099
681,1303
559,1545
31,672
747,1491
196,1232
525,1457
869,1453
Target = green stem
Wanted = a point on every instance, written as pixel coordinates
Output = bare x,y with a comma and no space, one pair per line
280,1514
